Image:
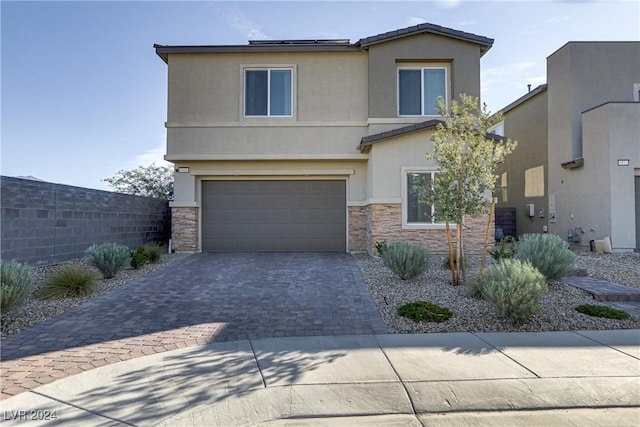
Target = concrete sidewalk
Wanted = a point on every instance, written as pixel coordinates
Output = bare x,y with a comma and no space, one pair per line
546,378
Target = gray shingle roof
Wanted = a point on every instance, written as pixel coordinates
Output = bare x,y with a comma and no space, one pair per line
405,130
369,140
331,45
524,98
484,42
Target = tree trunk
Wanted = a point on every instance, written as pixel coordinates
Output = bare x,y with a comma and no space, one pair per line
452,267
487,235
458,251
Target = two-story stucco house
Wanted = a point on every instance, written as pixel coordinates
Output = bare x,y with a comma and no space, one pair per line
578,155
294,145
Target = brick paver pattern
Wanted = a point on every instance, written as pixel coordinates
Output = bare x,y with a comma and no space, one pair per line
198,300
615,295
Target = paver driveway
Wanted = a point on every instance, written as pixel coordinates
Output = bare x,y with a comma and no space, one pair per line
203,298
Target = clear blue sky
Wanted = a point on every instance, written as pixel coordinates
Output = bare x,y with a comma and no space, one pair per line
84,94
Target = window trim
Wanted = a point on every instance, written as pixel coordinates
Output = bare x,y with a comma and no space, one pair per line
268,68
405,202
421,69
496,126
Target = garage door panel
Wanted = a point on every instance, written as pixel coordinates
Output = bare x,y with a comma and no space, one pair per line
274,215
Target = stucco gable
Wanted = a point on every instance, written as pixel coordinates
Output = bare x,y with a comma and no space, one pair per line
484,42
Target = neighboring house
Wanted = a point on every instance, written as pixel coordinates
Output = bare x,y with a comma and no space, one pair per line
578,155
292,145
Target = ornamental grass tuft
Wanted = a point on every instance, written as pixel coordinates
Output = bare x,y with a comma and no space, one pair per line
68,281
16,282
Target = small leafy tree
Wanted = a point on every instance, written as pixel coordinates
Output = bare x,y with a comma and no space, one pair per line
147,181
467,157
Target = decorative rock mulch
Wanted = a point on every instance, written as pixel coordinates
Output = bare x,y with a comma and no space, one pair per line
474,315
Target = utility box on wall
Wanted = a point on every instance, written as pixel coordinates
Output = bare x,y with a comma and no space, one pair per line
529,210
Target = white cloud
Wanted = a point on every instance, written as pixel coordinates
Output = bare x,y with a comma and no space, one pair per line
153,155
447,4
466,23
498,72
415,20
556,19
239,22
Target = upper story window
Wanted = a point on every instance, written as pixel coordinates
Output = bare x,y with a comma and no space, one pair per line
419,88
268,92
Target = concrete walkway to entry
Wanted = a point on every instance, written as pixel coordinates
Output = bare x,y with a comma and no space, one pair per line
455,379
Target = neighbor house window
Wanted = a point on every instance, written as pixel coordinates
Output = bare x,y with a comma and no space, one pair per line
497,129
418,211
268,92
419,89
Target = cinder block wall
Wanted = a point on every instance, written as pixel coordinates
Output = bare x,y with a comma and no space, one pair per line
44,223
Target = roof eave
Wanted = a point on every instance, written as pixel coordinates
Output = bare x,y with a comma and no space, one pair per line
485,43
370,140
524,98
164,51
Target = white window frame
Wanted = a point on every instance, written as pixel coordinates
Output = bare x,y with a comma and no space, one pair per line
500,126
268,69
406,225
422,68
636,92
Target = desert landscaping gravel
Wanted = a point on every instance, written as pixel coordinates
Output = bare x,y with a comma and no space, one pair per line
389,292
33,310
473,315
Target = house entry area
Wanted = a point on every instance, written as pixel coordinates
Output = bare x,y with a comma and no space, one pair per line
273,215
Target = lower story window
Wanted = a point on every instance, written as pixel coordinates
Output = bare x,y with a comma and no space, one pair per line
418,211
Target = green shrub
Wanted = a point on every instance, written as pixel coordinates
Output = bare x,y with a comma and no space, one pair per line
506,250
602,311
68,281
138,257
381,247
406,259
16,282
109,258
548,253
424,311
153,252
513,287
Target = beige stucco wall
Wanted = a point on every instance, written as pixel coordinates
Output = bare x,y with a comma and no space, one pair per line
205,143
210,87
463,59
188,184
599,197
388,158
527,124
582,76
206,112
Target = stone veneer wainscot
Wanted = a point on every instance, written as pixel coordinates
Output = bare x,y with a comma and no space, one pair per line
184,226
